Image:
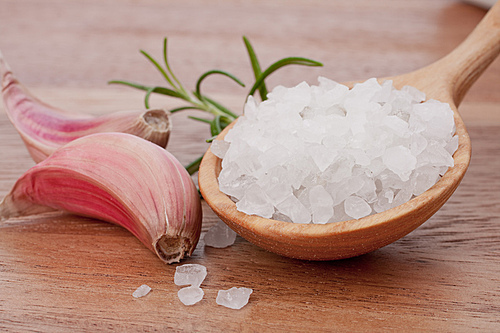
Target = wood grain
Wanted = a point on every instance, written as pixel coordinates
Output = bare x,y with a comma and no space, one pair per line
61,272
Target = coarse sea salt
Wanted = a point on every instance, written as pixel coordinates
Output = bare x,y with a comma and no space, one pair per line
219,236
141,291
190,295
190,274
327,153
234,298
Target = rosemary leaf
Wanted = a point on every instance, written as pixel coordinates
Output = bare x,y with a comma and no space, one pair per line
215,71
221,108
194,166
256,68
215,126
157,65
158,90
182,108
167,65
211,139
281,63
130,84
203,120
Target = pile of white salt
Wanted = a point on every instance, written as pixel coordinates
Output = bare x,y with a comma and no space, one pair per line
327,153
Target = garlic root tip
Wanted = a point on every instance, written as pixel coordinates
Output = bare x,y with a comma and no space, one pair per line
158,119
173,249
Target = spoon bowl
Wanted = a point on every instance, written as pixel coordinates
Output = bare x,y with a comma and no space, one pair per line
446,80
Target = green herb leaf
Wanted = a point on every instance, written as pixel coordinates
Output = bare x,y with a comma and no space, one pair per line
157,65
194,166
203,120
281,63
221,108
256,68
215,71
130,84
182,108
215,127
158,90
211,139
167,65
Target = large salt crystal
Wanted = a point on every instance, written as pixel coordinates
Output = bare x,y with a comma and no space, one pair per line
356,207
141,291
255,201
317,154
321,203
190,295
400,161
293,208
219,236
234,298
190,274
219,148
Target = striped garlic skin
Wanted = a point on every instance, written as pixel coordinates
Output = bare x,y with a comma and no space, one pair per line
118,178
45,128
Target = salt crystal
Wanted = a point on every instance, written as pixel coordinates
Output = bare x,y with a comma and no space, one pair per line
190,295
397,125
452,145
250,109
234,298
383,95
321,203
190,274
384,202
219,148
322,156
402,196
141,291
254,201
368,148
416,94
356,207
369,191
400,161
219,236
424,178
294,209
418,144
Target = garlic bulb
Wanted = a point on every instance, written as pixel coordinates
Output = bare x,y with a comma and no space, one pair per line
44,128
119,178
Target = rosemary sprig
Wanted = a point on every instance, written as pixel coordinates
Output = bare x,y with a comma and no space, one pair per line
221,116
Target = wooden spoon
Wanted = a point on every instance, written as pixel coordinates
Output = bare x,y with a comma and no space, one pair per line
446,80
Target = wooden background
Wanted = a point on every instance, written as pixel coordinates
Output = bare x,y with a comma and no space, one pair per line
65,273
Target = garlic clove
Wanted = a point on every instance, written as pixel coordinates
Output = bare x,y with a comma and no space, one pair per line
44,128
119,178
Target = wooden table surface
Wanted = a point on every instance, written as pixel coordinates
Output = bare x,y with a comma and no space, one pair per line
66,273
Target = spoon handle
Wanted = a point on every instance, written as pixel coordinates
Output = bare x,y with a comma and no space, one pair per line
463,66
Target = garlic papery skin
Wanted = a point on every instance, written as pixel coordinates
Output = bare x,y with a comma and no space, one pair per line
44,128
118,178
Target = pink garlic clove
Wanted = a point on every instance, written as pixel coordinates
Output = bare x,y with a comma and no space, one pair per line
118,178
44,128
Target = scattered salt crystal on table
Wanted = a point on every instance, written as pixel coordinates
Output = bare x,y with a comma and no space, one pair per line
190,295
234,298
219,236
141,291
190,274
327,153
